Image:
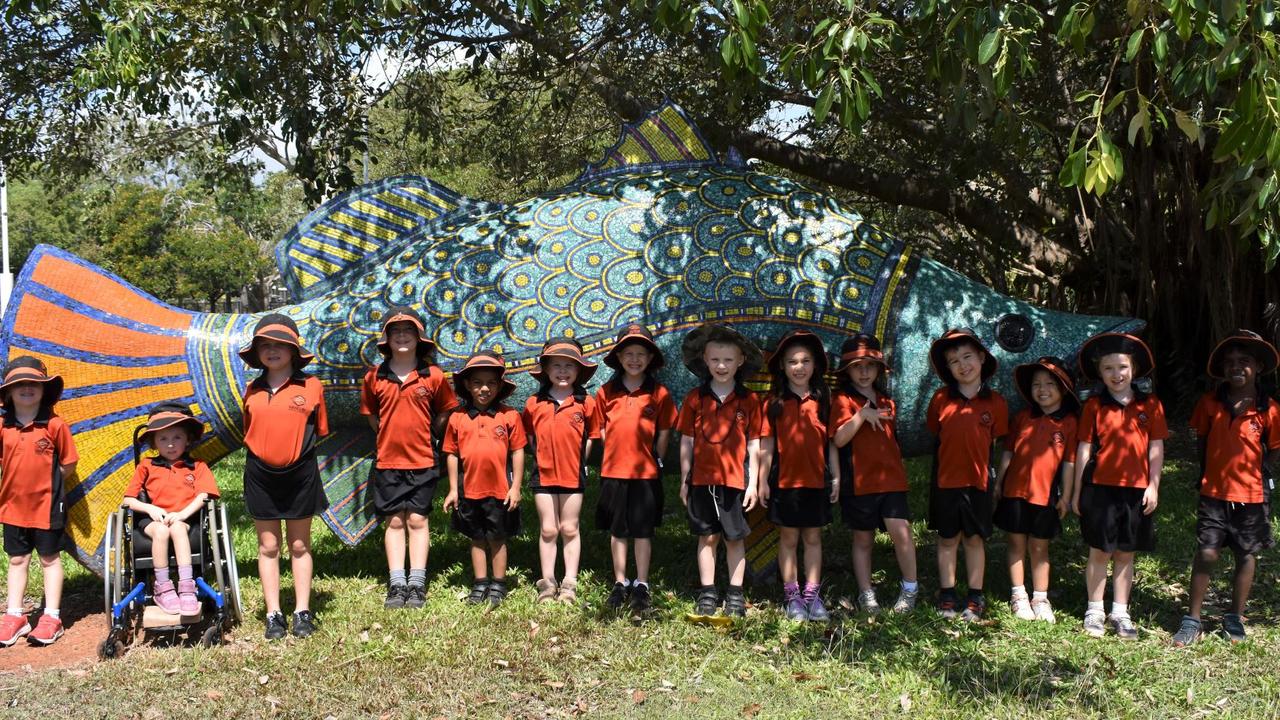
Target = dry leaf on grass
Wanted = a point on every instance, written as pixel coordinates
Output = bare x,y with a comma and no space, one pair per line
638,696
264,679
533,629
554,684
750,711
802,676
502,663
904,702
213,695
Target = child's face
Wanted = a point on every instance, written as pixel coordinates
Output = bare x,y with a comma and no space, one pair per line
1116,371
275,355
863,373
1239,368
25,395
402,338
723,360
562,372
965,363
171,442
635,359
797,363
1046,392
483,386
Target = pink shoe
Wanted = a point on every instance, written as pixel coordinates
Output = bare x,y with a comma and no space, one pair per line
166,597
187,599
13,627
47,630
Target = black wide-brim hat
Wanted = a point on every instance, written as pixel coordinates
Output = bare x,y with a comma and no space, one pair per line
1023,374
484,361
635,334
568,348
1252,343
955,337
1110,343
698,338
280,328
806,339
25,368
862,346
165,416
405,315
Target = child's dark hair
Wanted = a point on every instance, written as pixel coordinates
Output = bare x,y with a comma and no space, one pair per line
844,383
817,381
650,371
579,382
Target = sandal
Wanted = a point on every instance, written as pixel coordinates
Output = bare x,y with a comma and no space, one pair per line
546,590
568,594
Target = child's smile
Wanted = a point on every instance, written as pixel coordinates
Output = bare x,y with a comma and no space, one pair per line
274,355
26,395
1116,371
863,374
482,384
403,338
965,364
561,372
1045,391
723,361
1239,368
635,360
799,366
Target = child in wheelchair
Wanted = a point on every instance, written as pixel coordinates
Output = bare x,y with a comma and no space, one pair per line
167,490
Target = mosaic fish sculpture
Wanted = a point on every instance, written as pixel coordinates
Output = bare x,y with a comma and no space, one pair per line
661,231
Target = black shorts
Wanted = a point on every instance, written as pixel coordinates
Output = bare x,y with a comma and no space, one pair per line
1017,515
1244,527
556,490
629,508
960,511
287,493
20,541
397,491
1111,519
868,512
716,510
799,507
486,519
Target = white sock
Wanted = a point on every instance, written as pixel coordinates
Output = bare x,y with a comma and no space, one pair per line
53,612
1019,591
15,611
640,583
1120,609
910,585
1096,606
1037,595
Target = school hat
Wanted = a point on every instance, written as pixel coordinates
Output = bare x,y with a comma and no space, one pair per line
1023,374
862,346
1110,343
1252,343
953,338
806,339
280,328
484,361
425,347
25,368
634,334
698,339
166,415
565,347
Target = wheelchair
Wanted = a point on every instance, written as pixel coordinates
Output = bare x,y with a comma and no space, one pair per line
128,574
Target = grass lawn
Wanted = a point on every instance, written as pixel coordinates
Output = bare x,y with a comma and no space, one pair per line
523,660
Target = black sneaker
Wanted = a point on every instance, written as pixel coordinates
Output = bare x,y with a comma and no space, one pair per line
277,628
497,593
479,589
947,604
618,597
735,603
640,599
415,597
395,596
708,601
1233,627
975,606
304,623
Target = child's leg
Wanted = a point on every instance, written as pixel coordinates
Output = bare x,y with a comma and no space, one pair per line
549,532
862,542
569,508
644,552
159,534
618,551
299,532
947,551
52,567
419,540
269,562
904,548
1122,578
735,552
479,559
788,539
975,561
1095,575
498,554
18,565
393,541
812,538
1016,556
1245,566
180,536
1205,560
707,559
1039,551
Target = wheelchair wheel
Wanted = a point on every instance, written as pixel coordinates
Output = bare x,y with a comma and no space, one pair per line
110,649
117,573
212,636
225,559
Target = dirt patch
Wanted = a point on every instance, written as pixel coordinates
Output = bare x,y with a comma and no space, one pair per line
84,626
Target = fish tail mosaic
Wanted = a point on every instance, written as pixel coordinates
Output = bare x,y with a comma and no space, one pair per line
660,230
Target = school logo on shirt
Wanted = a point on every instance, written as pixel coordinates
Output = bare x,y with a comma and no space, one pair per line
1059,440
578,418
44,446
740,417
421,393
648,411
499,431
190,480
1255,429
299,400
986,418
1143,419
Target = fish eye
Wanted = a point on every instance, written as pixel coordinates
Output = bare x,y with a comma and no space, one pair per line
1014,332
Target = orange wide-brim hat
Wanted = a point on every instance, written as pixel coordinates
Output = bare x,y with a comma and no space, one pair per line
1110,343
484,361
1023,374
953,338
28,369
862,346
1253,343
167,415
568,348
693,345
280,328
635,334
405,315
806,339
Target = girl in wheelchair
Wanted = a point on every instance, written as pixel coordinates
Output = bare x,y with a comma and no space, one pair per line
167,489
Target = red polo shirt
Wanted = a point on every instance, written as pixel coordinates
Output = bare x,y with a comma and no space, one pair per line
1121,436
282,426
31,457
872,457
720,432
1040,444
630,422
560,433
1235,448
965,428
800,432
172,486
405,411
483,441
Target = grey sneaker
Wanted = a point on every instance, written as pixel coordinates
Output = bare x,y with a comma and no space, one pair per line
395,597
1188,632
1043,611
1095,623
1233,627
867,601
1021,605
906,601
1123,627
415,596
795,606
277,626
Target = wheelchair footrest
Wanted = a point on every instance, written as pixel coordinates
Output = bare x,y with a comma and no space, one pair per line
153,618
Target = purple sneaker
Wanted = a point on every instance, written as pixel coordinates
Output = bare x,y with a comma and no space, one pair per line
166,597
796,608
817,611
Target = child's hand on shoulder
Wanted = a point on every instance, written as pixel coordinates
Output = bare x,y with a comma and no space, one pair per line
513,498
871,415
1150,498
450,501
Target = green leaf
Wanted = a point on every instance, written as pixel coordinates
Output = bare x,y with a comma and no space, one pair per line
1187,125
863,102
846,42
1161,46
1141,121
1211,217
823,104
1265,192
740,12
1135,44
1113,102
990,44
727,51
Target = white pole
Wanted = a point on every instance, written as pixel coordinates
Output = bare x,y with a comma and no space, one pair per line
6,278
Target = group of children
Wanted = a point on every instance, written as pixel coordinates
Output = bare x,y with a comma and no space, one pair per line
796,450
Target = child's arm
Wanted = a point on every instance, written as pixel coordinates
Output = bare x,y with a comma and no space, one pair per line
659,446
1084,453
1155,460
764,463
867,415
373,422
191,508
686,466
750,498
833,466
68,469
451,500
1068,482
1006,457
138,506
517,477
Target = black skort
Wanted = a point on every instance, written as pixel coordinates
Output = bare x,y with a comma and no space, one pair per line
868,512
1017,515
287,493
1111,519
630,508
799,507
486,519
397,491
960,511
